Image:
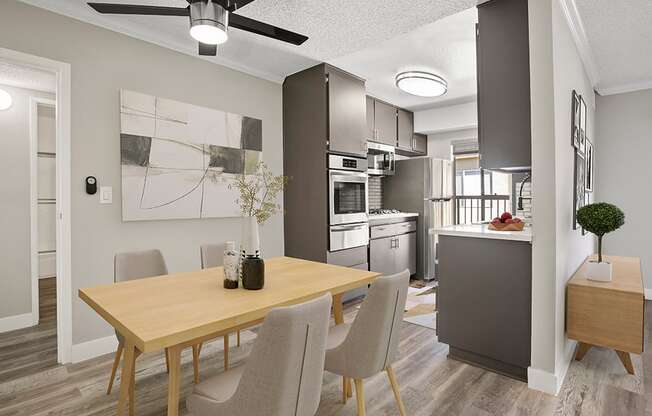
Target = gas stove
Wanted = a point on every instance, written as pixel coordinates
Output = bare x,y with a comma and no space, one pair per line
383,211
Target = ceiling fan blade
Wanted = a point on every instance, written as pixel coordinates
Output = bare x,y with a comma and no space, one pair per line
238,4
207,50
264,29
112,8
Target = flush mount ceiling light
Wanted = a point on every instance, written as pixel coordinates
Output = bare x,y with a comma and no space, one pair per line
422,84
5,100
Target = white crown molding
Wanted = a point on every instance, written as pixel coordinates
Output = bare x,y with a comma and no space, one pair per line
581,41
625,88
59,7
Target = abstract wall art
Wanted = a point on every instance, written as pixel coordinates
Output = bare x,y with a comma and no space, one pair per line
178,160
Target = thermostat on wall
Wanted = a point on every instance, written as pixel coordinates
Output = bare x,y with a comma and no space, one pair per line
91,185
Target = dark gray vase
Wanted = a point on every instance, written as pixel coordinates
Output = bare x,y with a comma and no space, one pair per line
253,273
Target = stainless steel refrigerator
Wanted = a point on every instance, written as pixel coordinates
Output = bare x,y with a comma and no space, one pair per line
422,185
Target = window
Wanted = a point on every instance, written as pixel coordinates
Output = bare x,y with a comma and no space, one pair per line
480,194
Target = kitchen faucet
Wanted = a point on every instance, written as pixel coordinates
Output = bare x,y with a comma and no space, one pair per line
520,192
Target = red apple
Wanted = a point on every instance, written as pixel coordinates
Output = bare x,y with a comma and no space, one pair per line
517,220
510,221
506,216
496,220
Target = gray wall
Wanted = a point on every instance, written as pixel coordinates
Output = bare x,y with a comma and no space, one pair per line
15,272
102,63
623,174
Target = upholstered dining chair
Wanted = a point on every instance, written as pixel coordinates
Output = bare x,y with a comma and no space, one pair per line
138,265
211,256
283,373
368,345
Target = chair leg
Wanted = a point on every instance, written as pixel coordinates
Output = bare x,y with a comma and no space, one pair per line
359,396
196,350
167,361
116,363
238,337
345,391
226,352
395,388
349,388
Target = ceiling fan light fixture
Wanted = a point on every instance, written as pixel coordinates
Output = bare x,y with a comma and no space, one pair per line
421,83
5,100
208,22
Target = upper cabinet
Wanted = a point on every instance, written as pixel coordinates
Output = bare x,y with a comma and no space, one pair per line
420,143
381,121
405,129
503,63
346,110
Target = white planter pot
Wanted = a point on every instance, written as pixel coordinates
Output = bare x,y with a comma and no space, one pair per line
250,238
600,272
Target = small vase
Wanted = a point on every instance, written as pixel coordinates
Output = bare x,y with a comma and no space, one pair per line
230,264
253,273
250,238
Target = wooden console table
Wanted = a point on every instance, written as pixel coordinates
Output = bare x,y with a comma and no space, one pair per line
608,314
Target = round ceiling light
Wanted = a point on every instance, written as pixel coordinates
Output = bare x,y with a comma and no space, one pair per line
422,84
208,22
5,100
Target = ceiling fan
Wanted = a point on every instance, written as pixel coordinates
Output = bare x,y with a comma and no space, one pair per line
209,21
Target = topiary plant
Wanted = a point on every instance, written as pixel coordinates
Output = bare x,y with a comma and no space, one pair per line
600,218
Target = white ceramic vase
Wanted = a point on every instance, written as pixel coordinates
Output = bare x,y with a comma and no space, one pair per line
600,272
250,245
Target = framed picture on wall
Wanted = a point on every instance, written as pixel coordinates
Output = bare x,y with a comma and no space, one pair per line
575,128
583,116
590,162
579,187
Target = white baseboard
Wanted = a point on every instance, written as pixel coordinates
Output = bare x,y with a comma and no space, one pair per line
11,323
95,348
648,294
548,382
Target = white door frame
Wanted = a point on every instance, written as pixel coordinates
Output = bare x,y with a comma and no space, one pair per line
63,181
34,102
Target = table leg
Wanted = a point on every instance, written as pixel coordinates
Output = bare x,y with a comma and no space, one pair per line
126,377
582,349
626,360
132,386
338,309
174,383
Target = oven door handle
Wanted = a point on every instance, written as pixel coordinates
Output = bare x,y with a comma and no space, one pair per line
348,227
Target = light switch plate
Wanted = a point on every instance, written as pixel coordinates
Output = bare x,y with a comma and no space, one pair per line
106,195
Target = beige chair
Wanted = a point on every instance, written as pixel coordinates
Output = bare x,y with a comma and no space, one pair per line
138,265
368,345
283,374
211,256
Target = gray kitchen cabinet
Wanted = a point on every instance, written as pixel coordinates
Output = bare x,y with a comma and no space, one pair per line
503,68
405,254
405,129
371,121
393,248
385,123
346,113
420,144
382,258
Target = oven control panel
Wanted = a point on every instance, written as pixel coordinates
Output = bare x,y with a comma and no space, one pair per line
347,163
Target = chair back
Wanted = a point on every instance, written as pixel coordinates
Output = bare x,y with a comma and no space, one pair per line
372,341
138,264
212,255
283,374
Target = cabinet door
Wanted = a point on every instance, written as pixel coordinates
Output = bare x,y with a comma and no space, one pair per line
346,111
503,68
370,132
382,255
406,253
385,122
420,143
405,128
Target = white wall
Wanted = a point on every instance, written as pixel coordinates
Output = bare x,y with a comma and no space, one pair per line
623,174
103,62
558,250
439,144
15,270
445,119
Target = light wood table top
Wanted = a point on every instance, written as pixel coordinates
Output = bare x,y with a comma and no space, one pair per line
159,312
626,275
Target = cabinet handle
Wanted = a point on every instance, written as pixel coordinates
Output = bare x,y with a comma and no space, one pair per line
398,243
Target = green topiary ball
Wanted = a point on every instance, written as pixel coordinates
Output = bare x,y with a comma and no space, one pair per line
600,218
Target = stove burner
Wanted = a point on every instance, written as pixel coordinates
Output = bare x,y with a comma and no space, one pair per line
383,211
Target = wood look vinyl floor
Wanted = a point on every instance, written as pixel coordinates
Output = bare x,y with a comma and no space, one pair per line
430,383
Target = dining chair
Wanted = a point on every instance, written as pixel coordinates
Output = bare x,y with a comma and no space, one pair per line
368,345
211,256
282,375
138,265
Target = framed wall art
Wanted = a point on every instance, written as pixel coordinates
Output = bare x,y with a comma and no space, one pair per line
576,119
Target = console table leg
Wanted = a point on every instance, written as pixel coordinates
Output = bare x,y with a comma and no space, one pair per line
582,349
626,360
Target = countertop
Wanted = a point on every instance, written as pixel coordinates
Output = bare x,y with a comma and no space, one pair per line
481,231
385,218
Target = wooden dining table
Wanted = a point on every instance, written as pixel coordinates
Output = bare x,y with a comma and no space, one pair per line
179,310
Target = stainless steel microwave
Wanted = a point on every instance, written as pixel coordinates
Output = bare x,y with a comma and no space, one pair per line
380,159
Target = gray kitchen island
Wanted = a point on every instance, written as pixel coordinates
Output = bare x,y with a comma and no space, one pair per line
484,297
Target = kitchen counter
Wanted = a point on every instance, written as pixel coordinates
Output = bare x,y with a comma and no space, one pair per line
482,231
379,219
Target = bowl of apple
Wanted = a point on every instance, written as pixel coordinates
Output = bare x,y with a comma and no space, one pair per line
506,222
